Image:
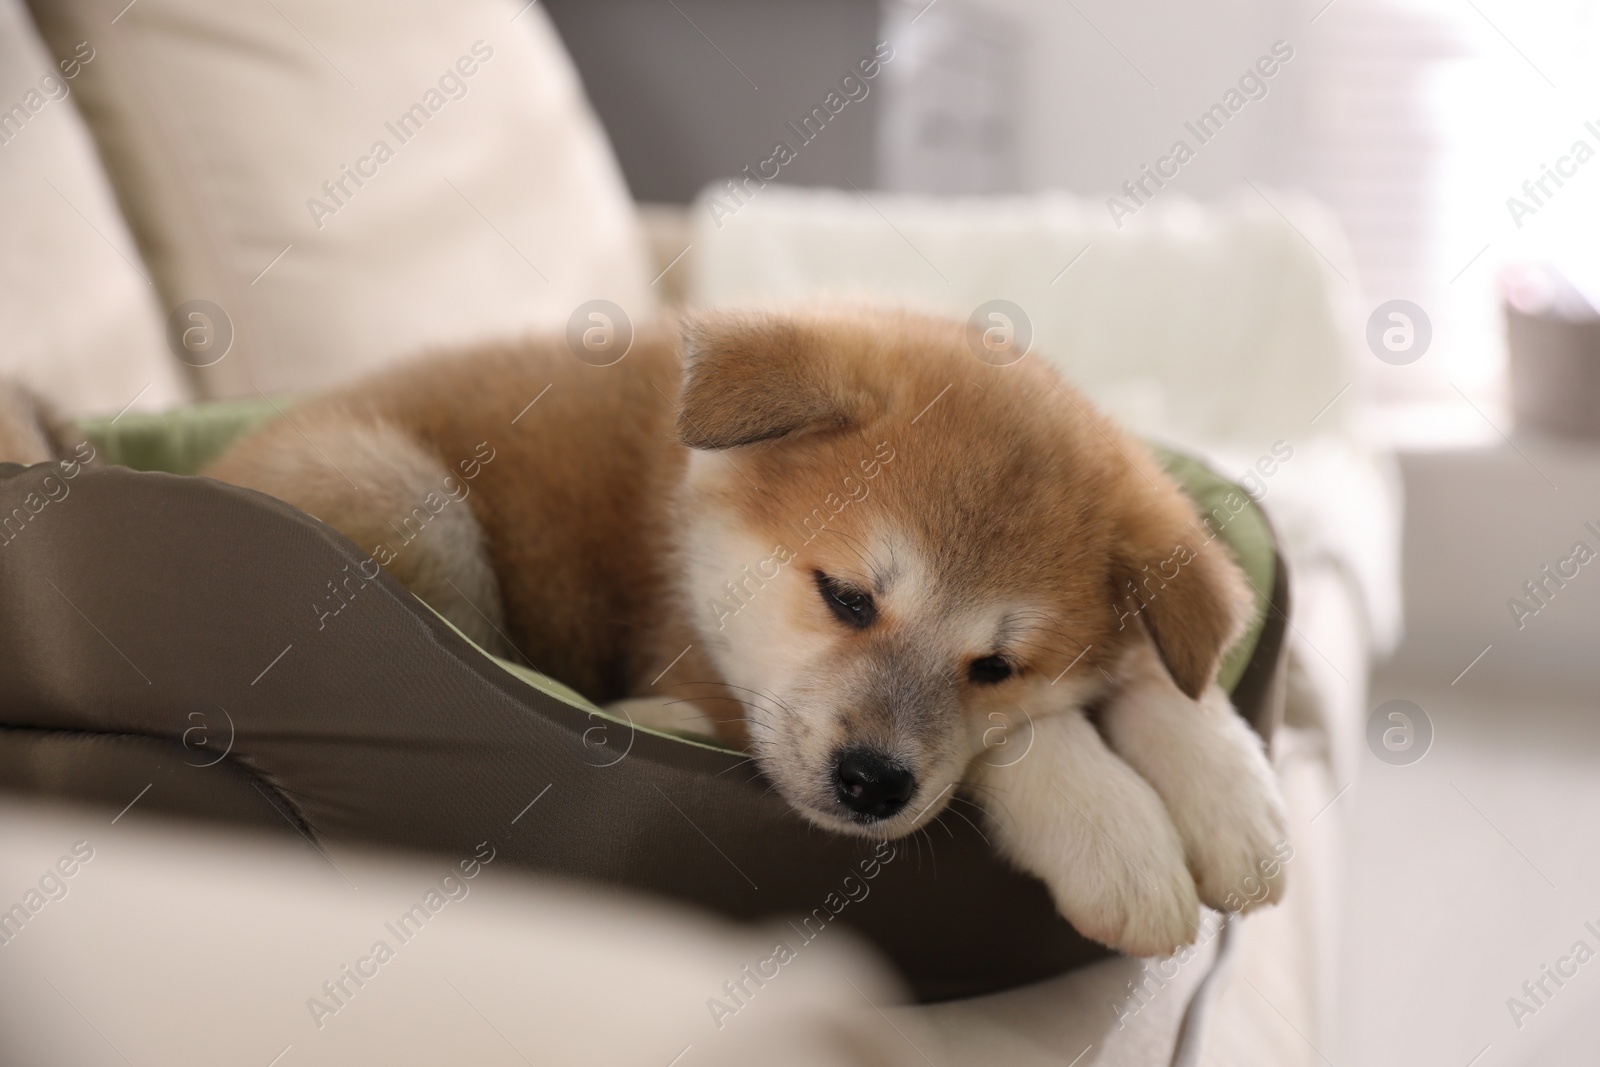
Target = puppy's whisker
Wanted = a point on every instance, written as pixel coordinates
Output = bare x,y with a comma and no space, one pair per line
855,543
697,700
743,719
768,695
976,828
736,766
866,558
706,718
933,860
754,707
764,696
782,703
978,787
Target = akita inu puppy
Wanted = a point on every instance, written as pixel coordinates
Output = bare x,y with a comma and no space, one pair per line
845,543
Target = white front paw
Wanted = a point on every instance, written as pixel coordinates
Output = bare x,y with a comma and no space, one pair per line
1236,838
1097,835
1213,775
1128,885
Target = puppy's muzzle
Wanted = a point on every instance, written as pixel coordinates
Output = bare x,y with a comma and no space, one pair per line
869,783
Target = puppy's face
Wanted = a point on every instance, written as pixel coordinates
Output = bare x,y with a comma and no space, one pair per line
897,555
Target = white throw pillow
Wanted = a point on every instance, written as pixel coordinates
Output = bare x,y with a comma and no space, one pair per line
81,321
1194,325
353,182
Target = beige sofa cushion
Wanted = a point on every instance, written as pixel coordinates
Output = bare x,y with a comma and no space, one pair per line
351,182
81,321
143,941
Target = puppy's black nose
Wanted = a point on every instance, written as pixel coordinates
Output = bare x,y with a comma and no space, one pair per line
868,782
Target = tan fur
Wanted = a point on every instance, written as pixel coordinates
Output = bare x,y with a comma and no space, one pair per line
572,505
680,509
392,480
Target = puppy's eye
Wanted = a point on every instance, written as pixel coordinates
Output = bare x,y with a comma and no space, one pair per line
988,670
850,606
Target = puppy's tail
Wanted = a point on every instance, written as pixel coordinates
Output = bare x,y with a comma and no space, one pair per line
30,429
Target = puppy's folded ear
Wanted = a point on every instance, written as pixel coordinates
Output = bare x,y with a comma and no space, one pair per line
750,378
1183,584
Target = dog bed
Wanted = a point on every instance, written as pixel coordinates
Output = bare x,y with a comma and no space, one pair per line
180,645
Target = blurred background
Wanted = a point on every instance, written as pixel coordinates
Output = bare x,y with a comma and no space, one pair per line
1413,122
1376,248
